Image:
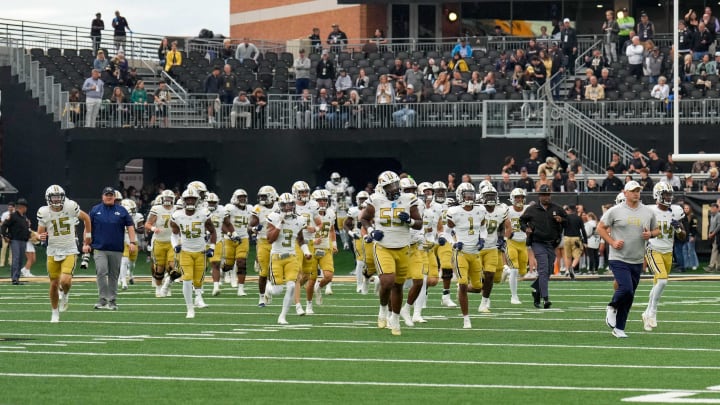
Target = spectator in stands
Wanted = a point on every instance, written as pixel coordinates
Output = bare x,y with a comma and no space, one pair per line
645,28
558,66
227,52
519,58
405,116
689,184
337,39
384,98
462,48
339,106
229,84
415,77
574,164
571,185
246,50
661,90
637,162
543,180
656,164
100,63
703,39
617,163
539,71
162,100
397,72
505,185
96,28
533,49
213,89
442,84
592,186
458,85
325,72
356,110
686,40
688,68
93,89
627,25
517,80
558,182
703,82
588,74
710,21
259,100
607,83
131,79
302,65
139,98
458,64
708,65
315,41
379,40
544,37
488,84
549,167
645,180
362,81
120,25
671,179
700,166
475,84
594,91
163,50
503,64
568,41
611,183
532,163
121,67
323,108
343,82
610,29
577,92
671,164
73,109
712,183
529,92
120,110
303,110
635,54
444,66
653,65
525,182
174,58
431,71
546,60
400,90
509,165
690,224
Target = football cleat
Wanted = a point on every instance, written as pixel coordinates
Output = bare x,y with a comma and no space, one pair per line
515,301
405,314
328,290
282,321
199,302
55,317
446,301
484,306
216,290
467,324
241,291
318,293
190,313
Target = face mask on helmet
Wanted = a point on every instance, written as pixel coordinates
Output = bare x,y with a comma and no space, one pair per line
322,202
190,203
168,201
56,200
335,178
468,198
263,199
287,208
303,195
519,201
440,195
392,191
241,201
666,198
489,198
212,206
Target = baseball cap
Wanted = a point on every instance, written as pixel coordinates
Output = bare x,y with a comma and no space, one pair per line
573,151
566,20
108,190
632,186
544,189
22,201
717,53
534,150
652,151
410,86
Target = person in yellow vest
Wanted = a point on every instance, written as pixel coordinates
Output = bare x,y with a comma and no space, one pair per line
626,23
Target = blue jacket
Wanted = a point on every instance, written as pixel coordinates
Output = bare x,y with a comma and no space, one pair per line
459,47
108,227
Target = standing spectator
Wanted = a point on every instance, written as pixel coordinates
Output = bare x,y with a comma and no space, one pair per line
558,182
229,84
302,65
6,251
610,31
509,165
109,221
161,101
626,23
120,110
451,182
336,39
397,72
325,72
712,183
571,185
568,41
96,27
379,41
405,116
246,50
120,24
637,162
653,65
532,163
93,89
543,224
227,52
574,164
635,54
463,49
549,166
315,41
611,182
645,28
139,98
415,77
163,50
617,163
16,232
625,228
259,100
703,39
593,242
690,224
525,182
686,39
656,164
174,58
213,87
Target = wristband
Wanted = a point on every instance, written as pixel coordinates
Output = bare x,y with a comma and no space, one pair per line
370,230
211,246
412,222
88,235
305,249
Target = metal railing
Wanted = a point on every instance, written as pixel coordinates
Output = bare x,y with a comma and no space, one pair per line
649,112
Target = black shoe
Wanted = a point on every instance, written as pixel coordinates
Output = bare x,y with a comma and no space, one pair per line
17,282
132,281
547,305
536,298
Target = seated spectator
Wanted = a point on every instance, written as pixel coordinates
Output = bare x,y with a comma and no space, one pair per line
653,65
431,71
503,65
611,183
163,49
700,166
227,52
714,66
689,184
543,180
607,83
475,83
132,79
712,183
174,58
362,81
617,163
458,64
645,180
671,180
706,65
525,182
571,185
343,82
241,110
120,110
594,91
703,82
588,74
100,63
637,162
671,164
509,166
488,84
400,90
463,49
458,85
505,185
592,186
687,69
558,182
442,84
397,72
340,106
444,66
596,62
246,50
661,90
549,166
405,116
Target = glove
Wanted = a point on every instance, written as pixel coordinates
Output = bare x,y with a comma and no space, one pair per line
178,248
368,238
442,241
235,237
209,252
481,243
404,217
258,228
501,244
675,224
377,234
354,235
458,245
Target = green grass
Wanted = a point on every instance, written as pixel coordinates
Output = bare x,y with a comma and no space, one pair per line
234,352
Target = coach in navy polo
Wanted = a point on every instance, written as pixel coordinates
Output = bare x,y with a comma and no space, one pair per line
109,222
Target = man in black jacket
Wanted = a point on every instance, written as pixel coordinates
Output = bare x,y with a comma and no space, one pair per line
543,223
575,240
17,230
568,40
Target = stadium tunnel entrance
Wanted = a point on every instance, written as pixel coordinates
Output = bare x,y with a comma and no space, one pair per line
359,171
173,173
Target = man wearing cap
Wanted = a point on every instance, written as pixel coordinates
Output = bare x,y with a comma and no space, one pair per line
625,228
611,182
645,28
6,244
16,231
96,27
568,41
325,71
525,182
543,224
415,77
463,49
532,163
626,23
343,81
109,222
336,39
656,164
302,72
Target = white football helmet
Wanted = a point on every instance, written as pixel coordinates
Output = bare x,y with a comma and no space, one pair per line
200,187
424,190
239,198
129,205
267,196
167,198
55,196
408,185
620,198
301,191
389,185
514,194
286,201
484,183
440,191
322,198
190,198
335,178
465,194
118,196
212,200
663,194
489,196
361,197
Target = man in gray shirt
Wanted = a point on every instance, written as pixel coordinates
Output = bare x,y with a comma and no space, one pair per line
415,77
713,235
302,72
93,88
631,224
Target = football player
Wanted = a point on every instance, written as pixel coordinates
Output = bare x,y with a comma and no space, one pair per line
467,225
443,251
258,225
163,256
221,222
341,193
127,264
284,230
56,227
237,245
498,229
394,214
188,240
517,251
659,252
431,224
202,190
306,210
353,227
418,257
325,247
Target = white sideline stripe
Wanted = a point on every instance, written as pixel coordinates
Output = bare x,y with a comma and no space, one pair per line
83,342
361,360
189,334
357,383
44,344
292,10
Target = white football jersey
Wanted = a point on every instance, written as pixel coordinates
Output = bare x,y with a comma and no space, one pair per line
418,235
217,217
138,219
441,212
327,221
341,202
469,226
518,234
397,233
307,212
60,227
262,212
162,222
192,229
289,228
431,216
663,243
493,222
240,218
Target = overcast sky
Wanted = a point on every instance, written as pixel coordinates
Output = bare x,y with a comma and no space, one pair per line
159,17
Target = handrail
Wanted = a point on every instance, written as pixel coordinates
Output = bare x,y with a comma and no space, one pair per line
172,85
581,56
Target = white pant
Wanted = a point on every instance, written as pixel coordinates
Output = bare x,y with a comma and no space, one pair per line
93,107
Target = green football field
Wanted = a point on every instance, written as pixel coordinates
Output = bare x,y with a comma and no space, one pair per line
234,352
